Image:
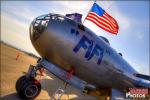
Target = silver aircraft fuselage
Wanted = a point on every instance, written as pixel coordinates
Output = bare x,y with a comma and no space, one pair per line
67,43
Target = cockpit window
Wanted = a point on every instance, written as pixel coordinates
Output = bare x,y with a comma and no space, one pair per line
41,17
57,18
47,17
41,22
60,18
39,25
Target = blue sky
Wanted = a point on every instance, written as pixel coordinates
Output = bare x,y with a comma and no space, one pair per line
132,16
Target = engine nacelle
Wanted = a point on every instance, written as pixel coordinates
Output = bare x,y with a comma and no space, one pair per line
105,39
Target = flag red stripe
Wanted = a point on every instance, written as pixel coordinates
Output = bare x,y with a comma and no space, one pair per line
95,22
102,24
103,21
103,27
113,32
99,25
109,18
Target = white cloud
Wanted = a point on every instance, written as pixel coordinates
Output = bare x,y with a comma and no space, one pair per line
73,6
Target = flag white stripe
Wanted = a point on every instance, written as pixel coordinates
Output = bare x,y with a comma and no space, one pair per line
114,25
109,19
99,19
102,26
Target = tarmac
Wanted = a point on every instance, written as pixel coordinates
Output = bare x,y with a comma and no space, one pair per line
12,69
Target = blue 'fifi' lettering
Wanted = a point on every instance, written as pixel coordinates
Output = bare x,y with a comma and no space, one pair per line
98,51
89,50
92,50
84,43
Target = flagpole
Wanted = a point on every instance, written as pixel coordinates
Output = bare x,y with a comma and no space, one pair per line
89,11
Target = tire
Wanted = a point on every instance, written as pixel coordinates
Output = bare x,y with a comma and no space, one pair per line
29,88
20,81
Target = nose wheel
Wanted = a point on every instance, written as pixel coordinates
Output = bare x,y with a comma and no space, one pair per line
28,88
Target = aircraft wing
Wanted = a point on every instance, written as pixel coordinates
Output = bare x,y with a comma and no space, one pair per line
146,77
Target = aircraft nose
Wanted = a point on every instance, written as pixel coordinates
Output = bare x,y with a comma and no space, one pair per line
38,26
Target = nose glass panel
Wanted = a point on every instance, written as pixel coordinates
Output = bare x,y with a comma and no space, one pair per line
39,25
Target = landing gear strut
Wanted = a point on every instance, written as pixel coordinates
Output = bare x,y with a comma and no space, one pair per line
27,86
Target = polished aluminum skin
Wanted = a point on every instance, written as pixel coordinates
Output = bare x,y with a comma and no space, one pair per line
55,37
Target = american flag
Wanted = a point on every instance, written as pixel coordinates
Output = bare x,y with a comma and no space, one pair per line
102,19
